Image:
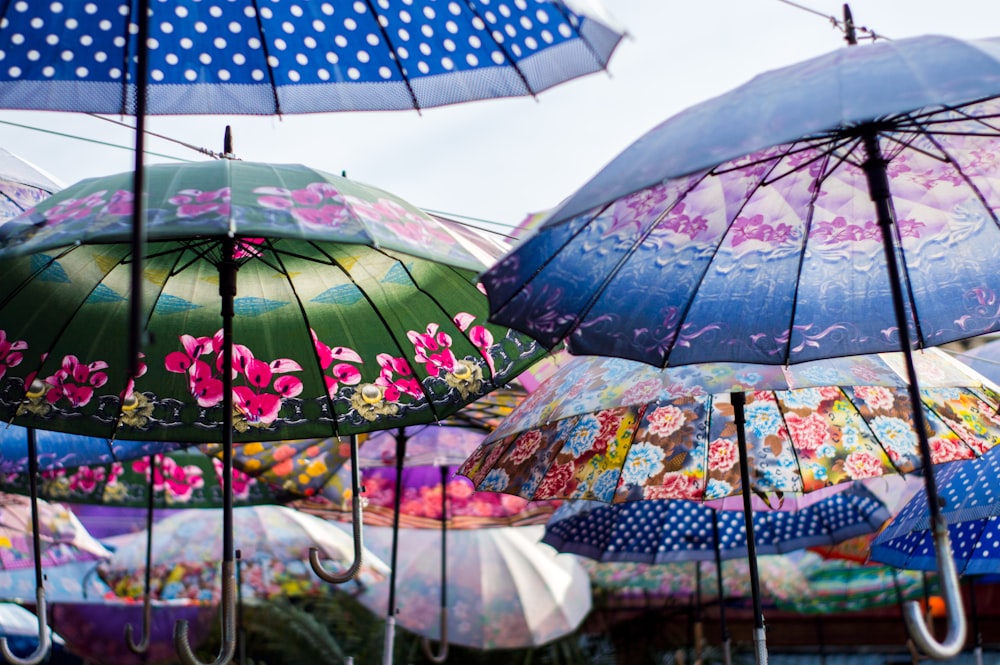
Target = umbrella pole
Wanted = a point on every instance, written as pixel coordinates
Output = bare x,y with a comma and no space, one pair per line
727,657
699,626
227,291
41,652
425,643
759,637
147,605
878,186
135,336
397,499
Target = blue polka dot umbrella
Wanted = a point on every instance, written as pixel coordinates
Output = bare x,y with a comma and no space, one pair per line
970,492
660,531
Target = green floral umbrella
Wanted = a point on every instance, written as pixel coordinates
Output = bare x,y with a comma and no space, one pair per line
181,479
280,303
353,310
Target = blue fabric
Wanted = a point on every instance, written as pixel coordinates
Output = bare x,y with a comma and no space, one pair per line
293,57
743,229
970,495
659,531
59,450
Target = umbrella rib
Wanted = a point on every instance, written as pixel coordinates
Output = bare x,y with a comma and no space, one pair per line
267,58
795,450
501,47
392,50
968,181
562,9
283,271
802,254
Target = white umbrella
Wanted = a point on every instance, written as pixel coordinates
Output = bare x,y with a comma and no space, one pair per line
505,588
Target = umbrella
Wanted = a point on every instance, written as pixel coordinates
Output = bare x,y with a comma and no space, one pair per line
180,479
22,185
614,430
744,229
236,58
985,359
355,312
64,539
504,588
62,450
660,531
273,542
286,58
847,586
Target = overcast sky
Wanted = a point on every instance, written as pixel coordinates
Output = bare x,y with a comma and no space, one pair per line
499,160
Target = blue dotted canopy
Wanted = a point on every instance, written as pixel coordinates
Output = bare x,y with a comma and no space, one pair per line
660,531
281,56
970,491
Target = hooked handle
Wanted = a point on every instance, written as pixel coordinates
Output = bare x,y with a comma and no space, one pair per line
425,644
147,622
948,577
184,652
356,499
44,637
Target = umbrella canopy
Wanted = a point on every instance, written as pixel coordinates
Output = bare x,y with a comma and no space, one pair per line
985,359
381,323
660,531
615,430
969,490
63,450
63,538
273,540
505,589
845,586
181,479
420,502
293,57
22,185
629,583
742,229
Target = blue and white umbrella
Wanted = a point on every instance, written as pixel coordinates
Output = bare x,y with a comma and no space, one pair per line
659,531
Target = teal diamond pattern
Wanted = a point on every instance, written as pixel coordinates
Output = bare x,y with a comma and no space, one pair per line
256,306
345,294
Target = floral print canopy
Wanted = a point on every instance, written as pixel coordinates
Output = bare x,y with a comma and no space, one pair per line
616,430
354,310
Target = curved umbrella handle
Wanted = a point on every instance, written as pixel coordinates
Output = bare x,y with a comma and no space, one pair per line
948,577
425,644
147,606
44,637
350,573
184,652
147,622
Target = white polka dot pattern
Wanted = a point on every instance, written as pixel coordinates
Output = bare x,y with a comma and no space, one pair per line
660,531
969,492
237,56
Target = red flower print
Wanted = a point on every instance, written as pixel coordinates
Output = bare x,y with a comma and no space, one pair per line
75,381
675,486
665,420
555,485
807,433
722,454
10,352
862,464
433,349
525,447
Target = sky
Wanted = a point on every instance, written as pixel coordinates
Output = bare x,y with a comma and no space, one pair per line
496,161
